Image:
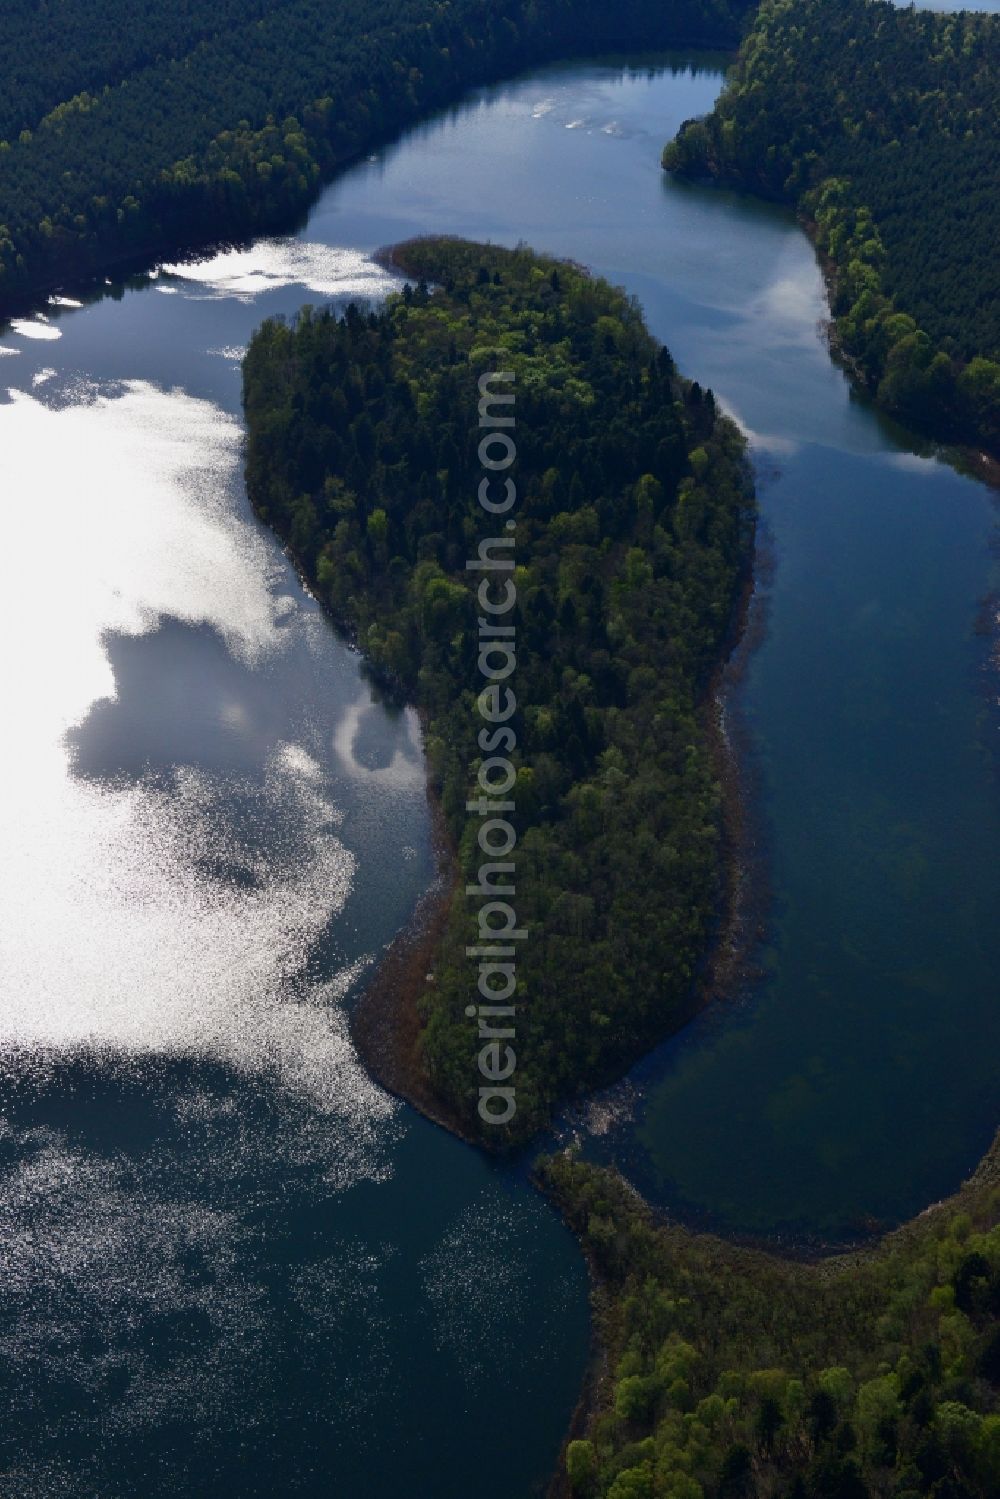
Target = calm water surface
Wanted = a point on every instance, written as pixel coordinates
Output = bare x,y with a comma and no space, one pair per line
860,1081
229,1258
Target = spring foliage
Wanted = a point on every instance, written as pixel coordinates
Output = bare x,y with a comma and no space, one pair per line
737,1375
132,128
634,530
882,126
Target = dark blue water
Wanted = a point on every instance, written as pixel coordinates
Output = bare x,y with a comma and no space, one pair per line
230,1260
230,1263
858,1082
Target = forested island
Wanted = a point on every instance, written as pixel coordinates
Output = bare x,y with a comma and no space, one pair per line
721,1371
135,130
634,528
881,125
733,1373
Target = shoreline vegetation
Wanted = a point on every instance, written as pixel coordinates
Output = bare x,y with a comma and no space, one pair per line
385,1022
633,557
182,128
880,126
718,1369
722,1371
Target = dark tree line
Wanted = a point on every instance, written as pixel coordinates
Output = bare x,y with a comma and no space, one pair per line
634,530
130,128
882,125
53,50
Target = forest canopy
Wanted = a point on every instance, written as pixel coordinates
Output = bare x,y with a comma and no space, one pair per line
131,128
736,1374
634,535
881,124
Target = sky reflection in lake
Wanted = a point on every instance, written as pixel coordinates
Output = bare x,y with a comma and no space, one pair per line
232,1261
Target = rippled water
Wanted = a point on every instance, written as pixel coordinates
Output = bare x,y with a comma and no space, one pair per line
231,1260
228,1257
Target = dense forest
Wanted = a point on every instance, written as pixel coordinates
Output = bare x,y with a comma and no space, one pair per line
130,128
733,1374
882,126
633,535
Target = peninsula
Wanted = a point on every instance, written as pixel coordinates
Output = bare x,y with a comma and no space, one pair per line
634,523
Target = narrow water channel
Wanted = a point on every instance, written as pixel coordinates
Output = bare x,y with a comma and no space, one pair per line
858,1082
231,1261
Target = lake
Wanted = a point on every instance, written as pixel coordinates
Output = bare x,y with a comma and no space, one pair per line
231,1260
